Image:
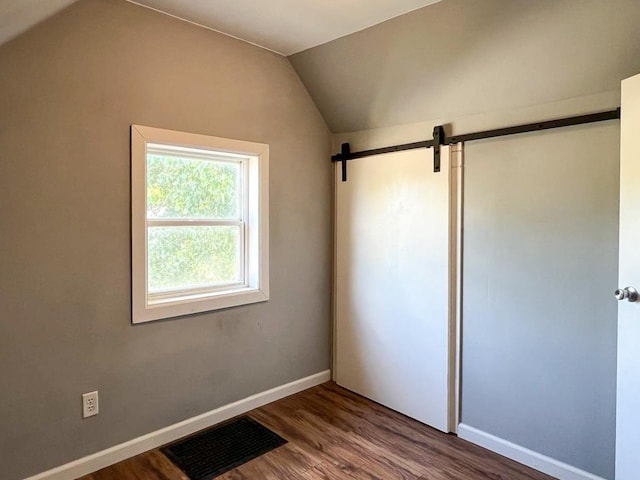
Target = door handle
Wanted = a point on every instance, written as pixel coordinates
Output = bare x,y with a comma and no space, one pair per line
628,293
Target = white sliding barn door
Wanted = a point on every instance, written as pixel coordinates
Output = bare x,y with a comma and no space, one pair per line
628,399
392,334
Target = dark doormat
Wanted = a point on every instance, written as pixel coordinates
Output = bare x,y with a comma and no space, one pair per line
222,448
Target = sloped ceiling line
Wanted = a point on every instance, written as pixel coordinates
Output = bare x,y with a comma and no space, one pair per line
283,26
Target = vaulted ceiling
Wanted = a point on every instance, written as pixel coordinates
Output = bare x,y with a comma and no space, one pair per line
460,58
453,59
16,16
284,26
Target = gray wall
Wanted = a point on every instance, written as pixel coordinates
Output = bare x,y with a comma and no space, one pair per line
69,91
540,266
463,57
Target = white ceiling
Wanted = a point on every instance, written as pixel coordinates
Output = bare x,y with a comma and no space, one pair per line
284,26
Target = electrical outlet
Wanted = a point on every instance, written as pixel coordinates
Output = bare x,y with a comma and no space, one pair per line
90,404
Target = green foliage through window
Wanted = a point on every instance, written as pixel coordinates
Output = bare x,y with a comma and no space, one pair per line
180,187
183,188
191,257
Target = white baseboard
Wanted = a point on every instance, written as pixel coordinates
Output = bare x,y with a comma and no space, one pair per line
96,461
523,455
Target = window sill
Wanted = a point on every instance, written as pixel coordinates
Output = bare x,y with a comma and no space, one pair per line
197,303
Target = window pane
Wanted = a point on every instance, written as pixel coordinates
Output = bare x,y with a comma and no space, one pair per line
180,187
191,257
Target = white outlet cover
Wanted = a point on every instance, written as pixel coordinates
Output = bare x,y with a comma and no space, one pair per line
90,405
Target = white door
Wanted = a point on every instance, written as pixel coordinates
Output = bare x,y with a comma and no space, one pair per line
628,403
392,287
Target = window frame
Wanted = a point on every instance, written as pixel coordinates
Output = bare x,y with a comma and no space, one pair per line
254,159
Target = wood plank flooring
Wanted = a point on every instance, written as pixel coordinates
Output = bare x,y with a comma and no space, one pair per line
337,435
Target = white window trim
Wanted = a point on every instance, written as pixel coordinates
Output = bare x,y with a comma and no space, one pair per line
257,244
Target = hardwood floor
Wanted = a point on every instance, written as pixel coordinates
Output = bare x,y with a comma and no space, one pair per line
335,434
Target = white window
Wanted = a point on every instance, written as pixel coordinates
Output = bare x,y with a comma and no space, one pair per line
200,220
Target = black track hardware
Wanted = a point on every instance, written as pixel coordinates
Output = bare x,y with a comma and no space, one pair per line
440,138
345,152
